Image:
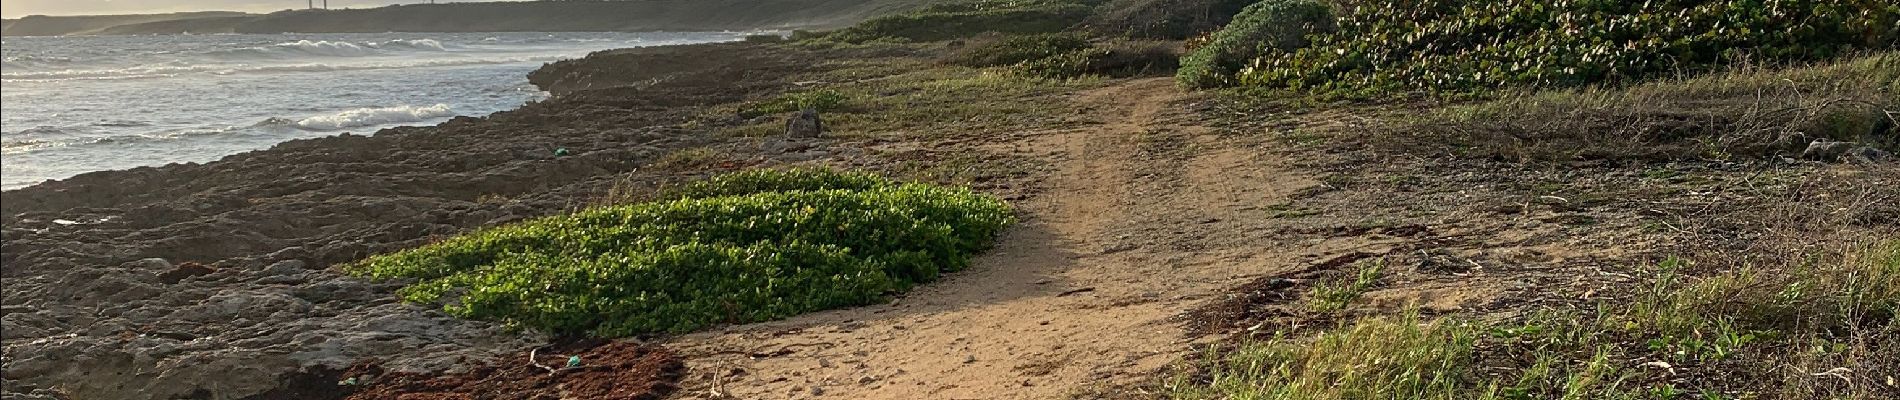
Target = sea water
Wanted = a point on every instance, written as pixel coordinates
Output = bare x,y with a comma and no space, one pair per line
70,105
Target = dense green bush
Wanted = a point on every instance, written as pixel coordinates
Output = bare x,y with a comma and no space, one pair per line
1262,28
743,248
966,19
1163,19
1462,46
1012,50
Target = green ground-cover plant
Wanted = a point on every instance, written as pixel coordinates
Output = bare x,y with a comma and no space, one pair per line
1826,328
740,248
1459,47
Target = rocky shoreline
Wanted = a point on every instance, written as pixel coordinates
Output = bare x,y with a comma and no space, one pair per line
218,280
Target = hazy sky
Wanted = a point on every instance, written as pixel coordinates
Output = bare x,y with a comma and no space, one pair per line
18,8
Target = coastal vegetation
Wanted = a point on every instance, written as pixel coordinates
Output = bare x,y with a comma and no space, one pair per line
1581,83
1694,337
1524,82
1492,199
1471,48
955,20
744,247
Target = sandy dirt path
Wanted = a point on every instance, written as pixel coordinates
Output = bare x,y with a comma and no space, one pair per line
1145,216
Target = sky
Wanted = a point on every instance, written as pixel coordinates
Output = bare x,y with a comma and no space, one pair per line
18,8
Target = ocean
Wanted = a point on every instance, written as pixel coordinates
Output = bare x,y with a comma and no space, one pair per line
70,105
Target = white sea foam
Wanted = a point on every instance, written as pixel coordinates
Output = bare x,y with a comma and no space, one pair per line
375,116
410,44
320,48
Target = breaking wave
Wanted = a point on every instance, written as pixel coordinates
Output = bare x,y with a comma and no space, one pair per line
375,116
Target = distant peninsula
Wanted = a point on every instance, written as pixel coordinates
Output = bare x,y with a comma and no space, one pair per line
522,16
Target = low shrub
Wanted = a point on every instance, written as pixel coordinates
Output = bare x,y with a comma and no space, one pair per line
1163,19
966,19
1262,28
1016,49
1114,59
1461,47
741,248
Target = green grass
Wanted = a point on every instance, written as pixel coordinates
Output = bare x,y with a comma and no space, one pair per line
946,101
747,247
955,20
820,100
1375,358
1743,113
1823,329
1017,49
1110,59
916,98
1335,295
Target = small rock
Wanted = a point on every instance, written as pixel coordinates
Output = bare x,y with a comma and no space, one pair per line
1827,150
290,253
969,359
154,264
804,124
182,271
817,391
286,268
1867,154
867,380
1792,141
